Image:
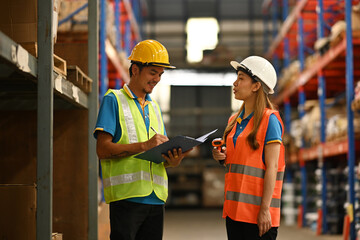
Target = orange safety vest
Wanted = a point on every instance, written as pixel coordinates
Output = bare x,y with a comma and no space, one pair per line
245,171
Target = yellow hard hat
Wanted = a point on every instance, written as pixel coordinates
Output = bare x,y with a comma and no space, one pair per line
150,52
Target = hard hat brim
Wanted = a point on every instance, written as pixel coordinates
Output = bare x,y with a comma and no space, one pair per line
162,65
235,64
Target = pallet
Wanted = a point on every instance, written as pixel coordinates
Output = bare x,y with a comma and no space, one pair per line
80,79
60,65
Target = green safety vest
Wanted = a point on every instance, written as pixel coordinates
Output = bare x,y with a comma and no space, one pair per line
132,177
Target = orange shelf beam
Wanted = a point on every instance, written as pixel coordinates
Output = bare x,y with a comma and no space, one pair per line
329,149
116,61
312,72
295,13
133,22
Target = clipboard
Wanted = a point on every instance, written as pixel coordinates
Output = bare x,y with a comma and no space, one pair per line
183,142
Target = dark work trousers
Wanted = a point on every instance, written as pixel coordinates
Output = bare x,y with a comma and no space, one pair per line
247,231
136,221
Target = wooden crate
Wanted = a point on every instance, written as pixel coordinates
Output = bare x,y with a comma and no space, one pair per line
80,79
60,65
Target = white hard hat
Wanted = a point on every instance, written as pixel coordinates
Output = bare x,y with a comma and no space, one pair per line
259,69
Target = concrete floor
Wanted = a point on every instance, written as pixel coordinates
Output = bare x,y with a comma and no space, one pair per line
205,224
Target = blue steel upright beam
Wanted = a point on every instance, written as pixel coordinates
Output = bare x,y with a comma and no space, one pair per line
118,36
301,48
275,31
266,31
103,62
285,13
350,114
322,97
137,12
302,113
287,112
302,99
127,43
117,25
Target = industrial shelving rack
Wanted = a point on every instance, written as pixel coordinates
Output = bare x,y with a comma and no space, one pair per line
128,32
31,84
295,38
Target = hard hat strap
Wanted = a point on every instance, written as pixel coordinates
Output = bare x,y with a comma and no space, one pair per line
246,70
255,78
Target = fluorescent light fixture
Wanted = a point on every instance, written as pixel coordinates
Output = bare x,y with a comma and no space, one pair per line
202,34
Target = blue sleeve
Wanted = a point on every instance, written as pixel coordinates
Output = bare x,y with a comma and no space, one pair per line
108,117
274,130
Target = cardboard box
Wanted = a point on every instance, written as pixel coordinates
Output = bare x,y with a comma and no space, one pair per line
18,211
18,20
355,19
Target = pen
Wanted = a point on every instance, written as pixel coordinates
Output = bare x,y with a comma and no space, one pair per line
153,130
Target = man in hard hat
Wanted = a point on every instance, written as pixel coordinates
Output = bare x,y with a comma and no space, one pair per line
130,122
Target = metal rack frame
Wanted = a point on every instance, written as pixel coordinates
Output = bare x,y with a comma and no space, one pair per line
48,83
324,149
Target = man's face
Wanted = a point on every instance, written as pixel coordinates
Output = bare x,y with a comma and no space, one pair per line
149,77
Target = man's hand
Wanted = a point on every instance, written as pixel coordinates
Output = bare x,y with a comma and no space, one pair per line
156,140
174,157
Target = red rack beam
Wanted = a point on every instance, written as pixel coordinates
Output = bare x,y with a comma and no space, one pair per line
312,72
329,149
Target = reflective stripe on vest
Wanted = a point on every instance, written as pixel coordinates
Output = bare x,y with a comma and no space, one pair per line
251,171
160,181
251,199
133,177
129,121
157,110
126,178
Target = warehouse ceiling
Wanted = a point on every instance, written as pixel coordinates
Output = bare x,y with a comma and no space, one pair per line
241,30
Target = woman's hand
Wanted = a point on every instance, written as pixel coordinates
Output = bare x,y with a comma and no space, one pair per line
264,221
219,155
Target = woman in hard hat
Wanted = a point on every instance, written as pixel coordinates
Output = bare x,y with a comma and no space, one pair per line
254,155
130,122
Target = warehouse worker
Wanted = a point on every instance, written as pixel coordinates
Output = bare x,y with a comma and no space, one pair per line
254,155
130,122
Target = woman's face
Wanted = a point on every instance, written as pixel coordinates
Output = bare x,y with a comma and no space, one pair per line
244,87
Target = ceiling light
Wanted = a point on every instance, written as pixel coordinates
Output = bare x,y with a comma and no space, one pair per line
202,34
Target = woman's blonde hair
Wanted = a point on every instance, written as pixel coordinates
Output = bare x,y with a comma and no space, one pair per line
262,101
